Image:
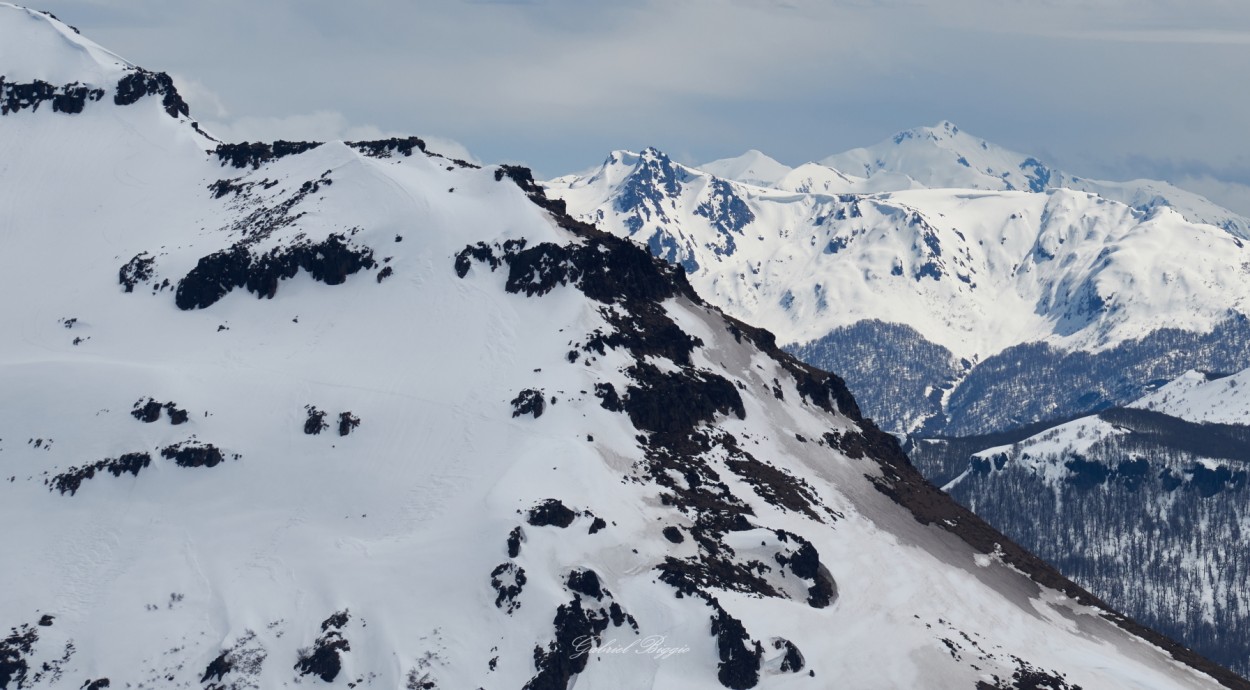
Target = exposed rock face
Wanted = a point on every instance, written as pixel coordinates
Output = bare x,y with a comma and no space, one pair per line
215,275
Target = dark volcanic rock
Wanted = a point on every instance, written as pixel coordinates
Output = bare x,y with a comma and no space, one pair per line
739,666
347,423
316,421
69,99
507,579
14,650
577,629
217,668
669,402
793,661
585,582
515,537
385,148
1028,677
529,402
137,270
150,411
804,562
140,83
324,660
70,480
193,454
551,512
146,412
329,261
253,155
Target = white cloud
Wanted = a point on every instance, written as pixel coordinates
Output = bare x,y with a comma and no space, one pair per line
204,103
449,148
1234,196
323,125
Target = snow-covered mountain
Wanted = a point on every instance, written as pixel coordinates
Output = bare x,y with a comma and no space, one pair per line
756,168
753,167
968,275
973,319
358,414
974,272
1143,504
943,156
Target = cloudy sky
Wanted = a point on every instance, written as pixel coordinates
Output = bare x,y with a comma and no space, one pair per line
1101,88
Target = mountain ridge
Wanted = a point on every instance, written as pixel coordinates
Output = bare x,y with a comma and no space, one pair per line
943,156
979,277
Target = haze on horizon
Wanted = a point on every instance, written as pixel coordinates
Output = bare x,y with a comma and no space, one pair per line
1117,89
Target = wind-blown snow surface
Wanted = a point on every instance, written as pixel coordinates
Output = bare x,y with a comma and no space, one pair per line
458,436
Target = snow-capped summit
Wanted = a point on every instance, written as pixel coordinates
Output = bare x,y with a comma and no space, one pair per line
47,65
752,167
356,414
36,45
944,156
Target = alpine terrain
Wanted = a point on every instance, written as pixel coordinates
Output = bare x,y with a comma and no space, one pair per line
972,297
1144,504
356,414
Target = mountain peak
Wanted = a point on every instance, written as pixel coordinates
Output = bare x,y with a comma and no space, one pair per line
37,45
943,130
753,167
944,156
46,62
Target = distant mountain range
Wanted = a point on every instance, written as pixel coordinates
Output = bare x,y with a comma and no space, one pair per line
971,282
945,157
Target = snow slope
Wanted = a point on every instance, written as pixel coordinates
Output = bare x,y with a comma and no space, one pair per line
1197,397
362,415
31,47
1193,397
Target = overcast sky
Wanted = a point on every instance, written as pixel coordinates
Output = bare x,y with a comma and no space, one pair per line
1101,88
